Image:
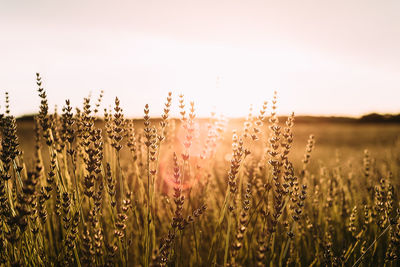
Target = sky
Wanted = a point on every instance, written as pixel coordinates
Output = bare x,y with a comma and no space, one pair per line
322,57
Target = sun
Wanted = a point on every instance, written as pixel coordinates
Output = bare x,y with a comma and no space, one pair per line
220,78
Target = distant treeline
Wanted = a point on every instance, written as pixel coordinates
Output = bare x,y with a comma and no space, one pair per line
375,117
368,118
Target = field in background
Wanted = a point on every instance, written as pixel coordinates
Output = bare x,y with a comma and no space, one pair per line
348,140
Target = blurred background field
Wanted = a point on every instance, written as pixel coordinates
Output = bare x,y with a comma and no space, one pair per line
346,140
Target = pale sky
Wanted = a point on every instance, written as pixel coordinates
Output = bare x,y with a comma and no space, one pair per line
323,57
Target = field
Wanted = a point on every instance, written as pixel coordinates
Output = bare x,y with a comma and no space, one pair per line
79,191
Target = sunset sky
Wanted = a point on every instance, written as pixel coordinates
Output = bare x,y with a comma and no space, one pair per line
323,57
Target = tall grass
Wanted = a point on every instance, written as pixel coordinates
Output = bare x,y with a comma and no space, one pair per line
169,192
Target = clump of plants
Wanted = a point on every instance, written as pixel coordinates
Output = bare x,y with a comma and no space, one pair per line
106,190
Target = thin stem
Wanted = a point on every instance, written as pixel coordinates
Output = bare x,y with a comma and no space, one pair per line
370,246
